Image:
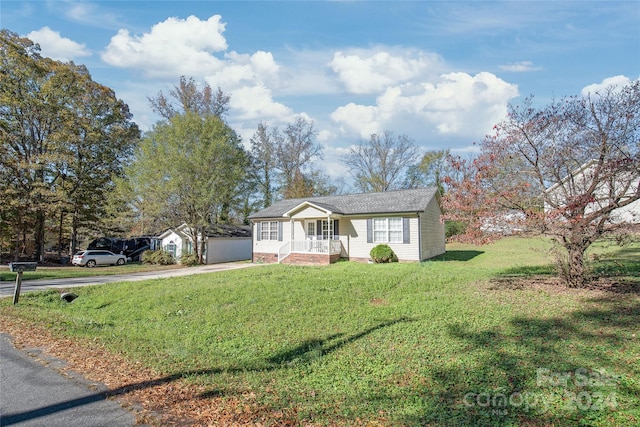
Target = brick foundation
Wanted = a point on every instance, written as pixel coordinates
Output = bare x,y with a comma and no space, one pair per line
296,258
266,258
301,259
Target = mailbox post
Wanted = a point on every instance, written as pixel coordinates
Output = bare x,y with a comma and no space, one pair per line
19,268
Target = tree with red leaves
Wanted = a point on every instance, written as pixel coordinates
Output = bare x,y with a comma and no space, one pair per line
569,170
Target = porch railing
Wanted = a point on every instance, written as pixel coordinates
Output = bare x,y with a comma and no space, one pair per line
330,247
316,246
284,251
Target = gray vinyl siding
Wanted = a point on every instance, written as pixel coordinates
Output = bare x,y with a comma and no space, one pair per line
271,246
310,212
432,239
360,248
228,249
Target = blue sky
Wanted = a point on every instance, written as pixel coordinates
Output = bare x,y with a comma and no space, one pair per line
441,72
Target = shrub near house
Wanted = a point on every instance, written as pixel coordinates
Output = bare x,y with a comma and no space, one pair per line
383,254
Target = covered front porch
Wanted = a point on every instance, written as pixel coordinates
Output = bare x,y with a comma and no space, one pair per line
310,251
315,237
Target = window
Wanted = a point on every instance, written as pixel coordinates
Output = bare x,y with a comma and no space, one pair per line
311,229
390,230
395,230
269,230
325,229
380,230
171,248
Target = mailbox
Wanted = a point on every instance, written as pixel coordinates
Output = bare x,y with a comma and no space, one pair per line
19,267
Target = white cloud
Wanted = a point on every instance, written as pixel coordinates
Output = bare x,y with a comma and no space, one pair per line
255,103
456,104
361,119
520,67
174,47
83,12
53,45
197,48
366,72
617,81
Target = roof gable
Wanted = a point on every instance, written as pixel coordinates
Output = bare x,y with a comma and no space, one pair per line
400,201
323,207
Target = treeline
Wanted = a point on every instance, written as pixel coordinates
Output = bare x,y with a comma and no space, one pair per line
73,163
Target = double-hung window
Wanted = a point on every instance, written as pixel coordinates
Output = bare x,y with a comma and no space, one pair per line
269,230
387,230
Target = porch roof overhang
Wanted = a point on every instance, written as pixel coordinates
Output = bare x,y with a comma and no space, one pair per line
328,210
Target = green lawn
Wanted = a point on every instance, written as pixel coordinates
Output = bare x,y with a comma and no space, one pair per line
435,343
73,271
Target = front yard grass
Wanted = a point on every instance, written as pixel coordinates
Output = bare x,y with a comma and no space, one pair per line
437,343
70,271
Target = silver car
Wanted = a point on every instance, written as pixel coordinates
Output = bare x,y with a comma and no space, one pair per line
94,257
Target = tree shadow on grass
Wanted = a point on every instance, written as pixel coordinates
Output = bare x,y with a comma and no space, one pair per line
457,255
315,348
306,352
536,371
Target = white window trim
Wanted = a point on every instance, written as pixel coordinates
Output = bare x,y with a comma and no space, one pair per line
387,229
269,230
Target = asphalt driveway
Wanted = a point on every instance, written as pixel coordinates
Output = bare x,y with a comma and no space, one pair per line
7,287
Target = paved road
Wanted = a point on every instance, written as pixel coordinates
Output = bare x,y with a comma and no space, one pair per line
7,288
33,393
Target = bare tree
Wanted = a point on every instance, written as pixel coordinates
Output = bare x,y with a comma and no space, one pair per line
380,163
567,168
296,151
187,97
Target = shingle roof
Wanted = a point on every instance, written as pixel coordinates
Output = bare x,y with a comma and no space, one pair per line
224,230
214,230
399,201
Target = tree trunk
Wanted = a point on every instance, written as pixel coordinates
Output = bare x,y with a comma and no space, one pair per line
203,245
74,234
575,273
39,234
60,234
16,249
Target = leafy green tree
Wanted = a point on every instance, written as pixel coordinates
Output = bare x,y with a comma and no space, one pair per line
264,161
190,168
430,171
63,139
33,91
97,141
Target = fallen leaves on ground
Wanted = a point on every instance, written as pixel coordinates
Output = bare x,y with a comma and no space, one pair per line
156,399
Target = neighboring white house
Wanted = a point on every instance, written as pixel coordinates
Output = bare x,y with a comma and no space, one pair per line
324,229
224,243
578,184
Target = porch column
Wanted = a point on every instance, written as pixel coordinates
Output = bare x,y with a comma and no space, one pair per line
291,225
